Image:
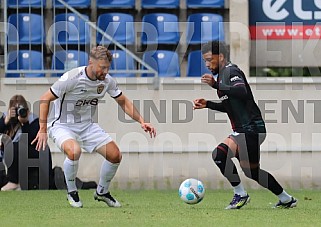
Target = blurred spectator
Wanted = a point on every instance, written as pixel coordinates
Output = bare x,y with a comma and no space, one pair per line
18,127
25,169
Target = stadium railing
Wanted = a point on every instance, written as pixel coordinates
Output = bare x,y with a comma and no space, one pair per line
164,61
49,49
25,60
122,61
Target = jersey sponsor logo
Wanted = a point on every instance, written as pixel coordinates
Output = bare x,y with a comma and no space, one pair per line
84,90
235,78
100,88
224,97
86,102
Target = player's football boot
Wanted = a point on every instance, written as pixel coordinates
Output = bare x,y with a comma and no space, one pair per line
238,202
74,200
11,187
108,199
290,204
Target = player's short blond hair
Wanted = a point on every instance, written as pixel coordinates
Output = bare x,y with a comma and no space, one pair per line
101,52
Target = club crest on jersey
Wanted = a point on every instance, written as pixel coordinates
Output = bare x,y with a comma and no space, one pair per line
100,88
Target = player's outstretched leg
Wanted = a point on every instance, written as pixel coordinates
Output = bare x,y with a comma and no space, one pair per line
238,202
266,180
73,199
107,198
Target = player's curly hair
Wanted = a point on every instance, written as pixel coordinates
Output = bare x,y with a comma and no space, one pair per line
216,47
101,52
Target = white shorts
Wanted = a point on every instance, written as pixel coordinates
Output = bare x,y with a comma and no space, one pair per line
92,138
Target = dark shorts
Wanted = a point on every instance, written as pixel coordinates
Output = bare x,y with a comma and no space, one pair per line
248,146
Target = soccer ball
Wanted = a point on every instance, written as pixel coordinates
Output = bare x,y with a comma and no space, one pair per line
191,191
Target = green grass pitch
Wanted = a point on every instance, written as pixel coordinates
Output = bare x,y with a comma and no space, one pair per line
156,208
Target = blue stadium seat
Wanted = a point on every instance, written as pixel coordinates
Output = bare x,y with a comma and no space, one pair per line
164,61
122,61
196,65
204,27
204,4
25,28
26,3
128,4
154,4
160,28
120,26
70,29
25,59
73,3
66,60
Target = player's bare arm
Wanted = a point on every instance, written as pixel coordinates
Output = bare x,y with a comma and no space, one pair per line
131,111
41,137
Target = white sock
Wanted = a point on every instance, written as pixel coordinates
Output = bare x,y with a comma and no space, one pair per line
107,173
239,189
70,171
285,197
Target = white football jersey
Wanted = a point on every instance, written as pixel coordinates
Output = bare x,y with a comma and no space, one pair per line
78,97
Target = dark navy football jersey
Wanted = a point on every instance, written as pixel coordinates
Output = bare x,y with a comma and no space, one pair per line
236,99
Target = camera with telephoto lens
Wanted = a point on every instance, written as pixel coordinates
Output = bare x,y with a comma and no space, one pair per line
21,111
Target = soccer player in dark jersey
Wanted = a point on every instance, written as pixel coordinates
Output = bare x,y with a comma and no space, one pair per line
236,99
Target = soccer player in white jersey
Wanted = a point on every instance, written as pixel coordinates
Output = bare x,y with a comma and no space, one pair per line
76,96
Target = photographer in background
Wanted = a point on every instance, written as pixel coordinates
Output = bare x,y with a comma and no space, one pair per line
16,124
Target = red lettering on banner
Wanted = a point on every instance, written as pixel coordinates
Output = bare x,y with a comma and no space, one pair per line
271,32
